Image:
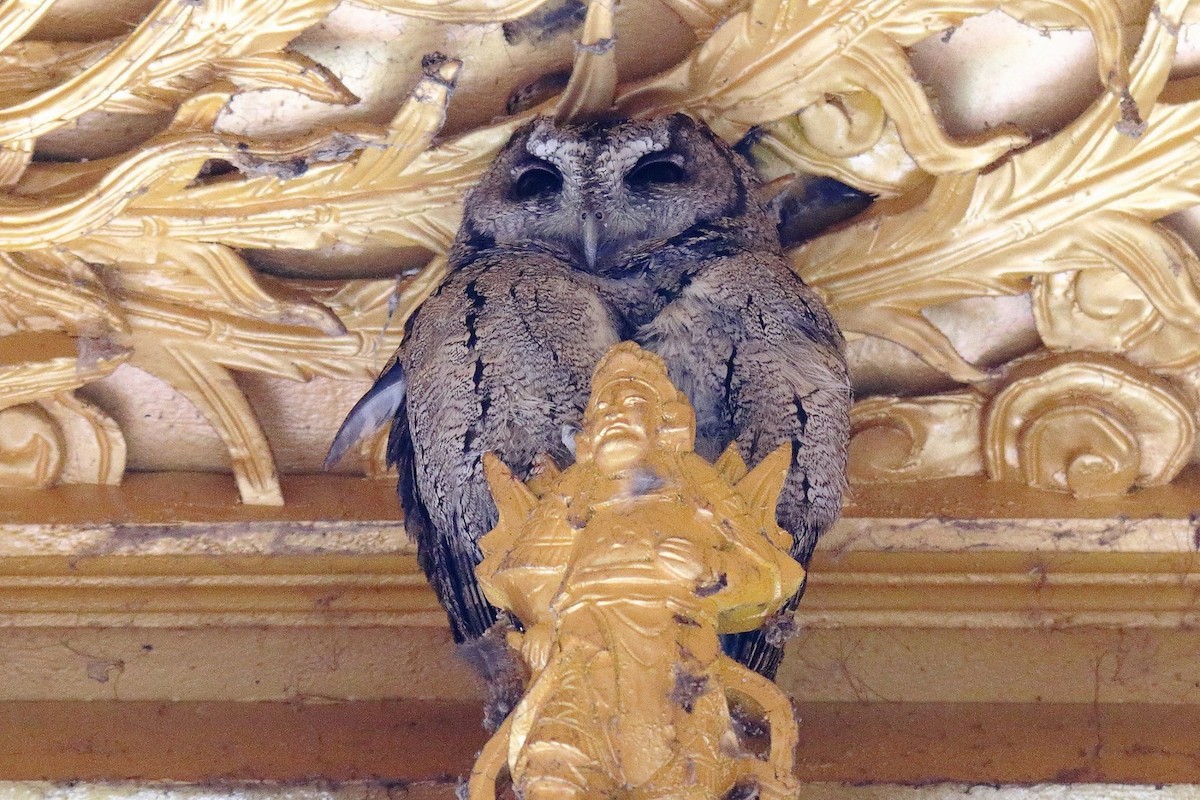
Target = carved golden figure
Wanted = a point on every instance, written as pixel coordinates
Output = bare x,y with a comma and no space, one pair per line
623,569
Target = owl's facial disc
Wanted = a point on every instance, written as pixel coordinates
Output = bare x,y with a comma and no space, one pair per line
634,167
630,180
604,190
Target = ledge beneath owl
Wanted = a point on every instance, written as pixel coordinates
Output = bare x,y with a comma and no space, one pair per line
942,620
959,591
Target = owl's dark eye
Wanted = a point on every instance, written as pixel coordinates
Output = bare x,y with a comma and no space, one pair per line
655,169
537,182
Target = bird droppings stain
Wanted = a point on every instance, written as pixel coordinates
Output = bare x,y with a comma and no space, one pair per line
101,670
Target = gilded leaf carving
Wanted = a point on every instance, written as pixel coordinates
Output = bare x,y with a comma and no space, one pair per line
15,156
54,290
459,10
31,448
59,330
78,201
780,56
195,337
703,16
177,48
1102,309
18,18
195,310
1038,211
35,67
94,447
593,82
136,257
909,439
395,191
815,141
34,365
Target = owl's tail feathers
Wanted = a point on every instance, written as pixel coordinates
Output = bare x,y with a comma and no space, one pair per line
376,408
504,674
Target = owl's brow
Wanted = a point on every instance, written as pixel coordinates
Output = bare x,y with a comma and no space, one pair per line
556,147
623,150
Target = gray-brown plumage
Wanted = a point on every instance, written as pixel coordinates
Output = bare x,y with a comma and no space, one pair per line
578,237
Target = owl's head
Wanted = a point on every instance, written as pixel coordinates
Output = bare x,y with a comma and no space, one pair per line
600,190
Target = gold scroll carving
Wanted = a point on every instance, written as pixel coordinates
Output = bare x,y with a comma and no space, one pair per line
924,438
1092,425
140,257
1039,210
638,545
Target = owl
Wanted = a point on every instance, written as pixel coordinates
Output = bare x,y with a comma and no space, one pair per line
579,236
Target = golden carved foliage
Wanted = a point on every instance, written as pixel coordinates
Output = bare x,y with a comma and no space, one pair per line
1092,425
1102,309
846,136
162,282
703,16
96,446
59,439
1075,216
779,56
361,184
54,290
135,256
900,439
979,234
593,81
63,331
459,10
31,448
176,49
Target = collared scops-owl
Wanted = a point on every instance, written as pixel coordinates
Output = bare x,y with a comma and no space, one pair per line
577,237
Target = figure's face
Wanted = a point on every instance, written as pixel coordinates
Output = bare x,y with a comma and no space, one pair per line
624,417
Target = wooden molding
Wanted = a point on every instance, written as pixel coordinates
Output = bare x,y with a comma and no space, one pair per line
231,749
958,590
861,589
168,550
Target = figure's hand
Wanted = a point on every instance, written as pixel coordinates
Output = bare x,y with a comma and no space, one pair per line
533,645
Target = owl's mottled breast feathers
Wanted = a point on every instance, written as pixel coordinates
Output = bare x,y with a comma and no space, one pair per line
579,236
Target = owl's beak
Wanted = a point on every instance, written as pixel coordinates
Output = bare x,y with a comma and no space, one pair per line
591,237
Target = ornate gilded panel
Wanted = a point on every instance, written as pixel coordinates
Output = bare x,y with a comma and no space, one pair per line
244,220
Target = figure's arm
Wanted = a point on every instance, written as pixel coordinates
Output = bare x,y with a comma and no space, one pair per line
776,707
493,759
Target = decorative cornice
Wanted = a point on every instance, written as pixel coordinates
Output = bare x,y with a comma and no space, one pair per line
415,750
172,554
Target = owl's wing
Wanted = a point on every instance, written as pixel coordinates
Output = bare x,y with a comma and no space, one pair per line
813,203
760,358
448,561
376,408
499,359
